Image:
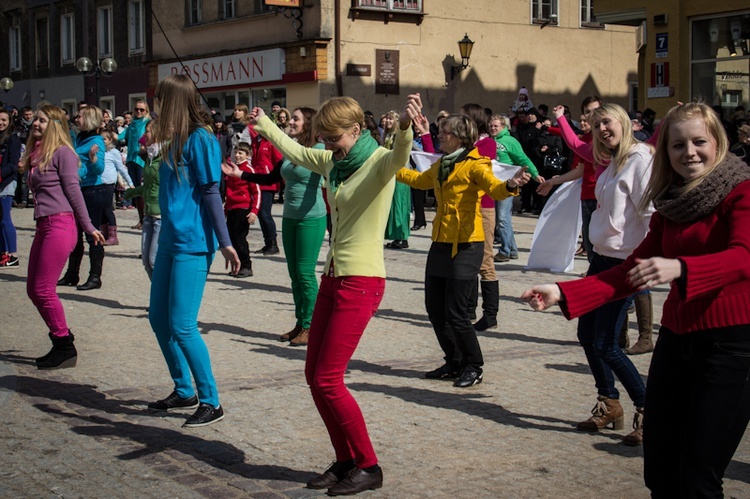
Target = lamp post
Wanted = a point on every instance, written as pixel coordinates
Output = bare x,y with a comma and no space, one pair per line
87,67
464,47
6,84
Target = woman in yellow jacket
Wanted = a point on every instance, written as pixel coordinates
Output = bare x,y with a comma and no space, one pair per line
460,179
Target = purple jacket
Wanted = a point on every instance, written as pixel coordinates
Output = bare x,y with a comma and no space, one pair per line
58,189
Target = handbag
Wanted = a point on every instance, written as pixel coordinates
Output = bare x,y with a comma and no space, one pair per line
554,162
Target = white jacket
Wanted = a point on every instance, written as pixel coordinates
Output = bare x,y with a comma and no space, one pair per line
617,226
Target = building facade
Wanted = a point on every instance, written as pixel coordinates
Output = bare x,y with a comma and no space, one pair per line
46,38
689,50
376,51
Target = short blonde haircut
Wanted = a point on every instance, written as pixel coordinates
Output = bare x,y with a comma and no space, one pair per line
338,114
90,118
463,127
504,120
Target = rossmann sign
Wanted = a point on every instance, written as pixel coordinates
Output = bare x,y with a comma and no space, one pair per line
230,70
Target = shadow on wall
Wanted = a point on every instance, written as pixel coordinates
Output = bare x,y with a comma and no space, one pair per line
468,87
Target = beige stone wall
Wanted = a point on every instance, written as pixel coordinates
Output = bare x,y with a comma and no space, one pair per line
509,52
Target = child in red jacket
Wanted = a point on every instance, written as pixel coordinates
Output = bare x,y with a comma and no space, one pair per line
241,207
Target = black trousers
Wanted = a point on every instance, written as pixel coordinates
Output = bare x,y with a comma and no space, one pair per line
447,303
238,228
267,224
417,202
95,197
697,409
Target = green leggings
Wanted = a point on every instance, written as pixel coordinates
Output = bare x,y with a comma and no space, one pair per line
302,240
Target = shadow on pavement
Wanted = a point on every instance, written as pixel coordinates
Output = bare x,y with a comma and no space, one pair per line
577,368
153,439
525,338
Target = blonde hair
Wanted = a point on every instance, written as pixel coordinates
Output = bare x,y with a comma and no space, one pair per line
147,114
663,176
90,118
55,136
619,155
180,114
338,114
504,120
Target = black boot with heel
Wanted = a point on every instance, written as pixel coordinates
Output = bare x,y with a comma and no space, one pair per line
62,355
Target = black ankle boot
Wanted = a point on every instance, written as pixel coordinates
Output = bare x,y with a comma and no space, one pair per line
93,282
68,280
490,305
62,355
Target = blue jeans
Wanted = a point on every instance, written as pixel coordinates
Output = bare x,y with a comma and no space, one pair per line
176,292
697,409
504,227
267,224
150,242
598,332
8,239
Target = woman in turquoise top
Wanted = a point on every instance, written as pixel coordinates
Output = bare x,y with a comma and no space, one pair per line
192,219
131,135
91,150
303,223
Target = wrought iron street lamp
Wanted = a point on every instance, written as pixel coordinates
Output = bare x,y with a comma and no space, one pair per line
88,67
464,47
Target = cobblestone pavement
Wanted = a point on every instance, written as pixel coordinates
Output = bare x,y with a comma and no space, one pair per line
84,432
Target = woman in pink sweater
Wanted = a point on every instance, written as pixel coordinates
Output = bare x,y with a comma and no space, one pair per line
58,203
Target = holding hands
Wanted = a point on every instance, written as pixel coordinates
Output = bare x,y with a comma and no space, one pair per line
521,177
412,110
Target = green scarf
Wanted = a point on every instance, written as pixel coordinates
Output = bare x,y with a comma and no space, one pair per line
447,162
344,168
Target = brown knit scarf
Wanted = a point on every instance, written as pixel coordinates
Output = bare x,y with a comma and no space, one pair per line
697,203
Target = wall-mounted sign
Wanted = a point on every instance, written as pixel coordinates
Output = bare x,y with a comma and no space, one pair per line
659,92
235,69
386,71
358,70
662,45
660,74
284,3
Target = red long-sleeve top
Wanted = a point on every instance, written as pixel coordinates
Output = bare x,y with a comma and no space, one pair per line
714,290
242,195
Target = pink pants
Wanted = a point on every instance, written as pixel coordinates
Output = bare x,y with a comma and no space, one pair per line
54,240
342,311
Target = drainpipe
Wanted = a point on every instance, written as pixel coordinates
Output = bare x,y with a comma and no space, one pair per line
337,48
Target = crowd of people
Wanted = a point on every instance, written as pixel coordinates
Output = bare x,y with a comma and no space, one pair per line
661,203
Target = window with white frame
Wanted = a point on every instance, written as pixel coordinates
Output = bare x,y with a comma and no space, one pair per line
42,41
67,38
229,8
587,14
14,46
194,12
136,34
396,5
104,31
544,11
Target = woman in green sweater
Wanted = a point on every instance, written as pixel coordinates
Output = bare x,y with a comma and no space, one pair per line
361,180
303,223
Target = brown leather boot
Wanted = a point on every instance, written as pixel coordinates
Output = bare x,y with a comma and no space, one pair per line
291,334
301,338
636,436
644,312
606,411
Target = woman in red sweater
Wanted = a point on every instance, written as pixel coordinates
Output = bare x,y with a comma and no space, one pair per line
698,394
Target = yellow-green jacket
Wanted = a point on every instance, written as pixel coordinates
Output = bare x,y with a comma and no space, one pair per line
459,214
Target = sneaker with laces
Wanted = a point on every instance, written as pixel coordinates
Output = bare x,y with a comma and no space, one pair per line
173,401
204,416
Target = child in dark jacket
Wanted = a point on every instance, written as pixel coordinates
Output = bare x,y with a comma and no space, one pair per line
241,207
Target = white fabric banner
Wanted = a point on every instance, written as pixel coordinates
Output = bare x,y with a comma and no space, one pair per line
504,171
424,160
555,238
